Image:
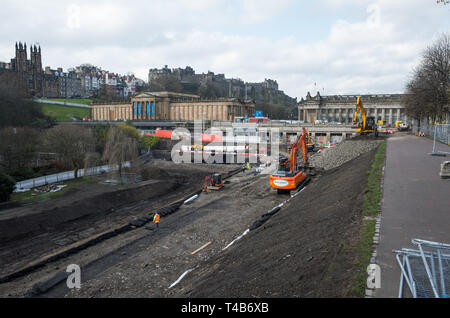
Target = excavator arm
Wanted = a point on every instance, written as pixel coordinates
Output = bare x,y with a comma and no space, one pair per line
301,142
359,106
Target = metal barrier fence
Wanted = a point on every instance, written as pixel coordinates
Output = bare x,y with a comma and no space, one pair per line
63,176
440,134
425,271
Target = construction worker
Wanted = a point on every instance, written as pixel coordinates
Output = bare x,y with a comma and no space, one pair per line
156,219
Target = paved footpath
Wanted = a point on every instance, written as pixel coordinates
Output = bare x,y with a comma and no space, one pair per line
416,204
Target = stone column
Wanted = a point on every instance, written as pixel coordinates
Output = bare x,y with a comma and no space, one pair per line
383,114
390,116
224,113
398,113
215,113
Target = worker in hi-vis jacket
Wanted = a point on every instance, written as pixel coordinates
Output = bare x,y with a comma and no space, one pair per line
156,218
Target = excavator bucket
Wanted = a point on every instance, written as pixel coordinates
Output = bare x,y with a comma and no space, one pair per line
355,124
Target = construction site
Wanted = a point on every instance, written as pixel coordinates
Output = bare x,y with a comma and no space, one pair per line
295,225
303,240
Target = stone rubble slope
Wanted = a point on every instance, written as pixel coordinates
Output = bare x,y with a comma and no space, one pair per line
338,155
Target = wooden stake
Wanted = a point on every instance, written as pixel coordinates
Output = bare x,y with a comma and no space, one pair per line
199,249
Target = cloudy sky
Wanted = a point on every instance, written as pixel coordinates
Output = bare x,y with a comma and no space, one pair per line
331,46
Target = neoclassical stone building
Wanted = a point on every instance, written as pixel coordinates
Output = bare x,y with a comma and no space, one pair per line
173,106
341,108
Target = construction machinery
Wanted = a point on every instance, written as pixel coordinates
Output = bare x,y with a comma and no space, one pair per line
213,182
310,144
401,126
382,123
368,124
290,173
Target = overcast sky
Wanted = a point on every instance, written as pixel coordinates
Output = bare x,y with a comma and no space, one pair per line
331,46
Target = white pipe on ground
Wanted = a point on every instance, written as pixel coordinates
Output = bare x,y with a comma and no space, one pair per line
181,277
191,199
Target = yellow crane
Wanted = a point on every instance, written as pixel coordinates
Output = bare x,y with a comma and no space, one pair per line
368,124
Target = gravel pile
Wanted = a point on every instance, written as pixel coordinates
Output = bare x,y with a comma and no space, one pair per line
345,151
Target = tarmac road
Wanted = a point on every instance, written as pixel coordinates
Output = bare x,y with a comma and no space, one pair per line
416,204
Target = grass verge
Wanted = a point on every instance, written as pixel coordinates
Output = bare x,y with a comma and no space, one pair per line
32,196
371,207
65,113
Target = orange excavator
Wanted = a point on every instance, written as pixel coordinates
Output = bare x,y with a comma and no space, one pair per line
290,174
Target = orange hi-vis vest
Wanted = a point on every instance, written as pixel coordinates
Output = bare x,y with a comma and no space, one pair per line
156,218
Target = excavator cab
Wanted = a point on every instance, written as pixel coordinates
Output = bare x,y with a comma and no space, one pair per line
283,169
217,180
213,182
370,123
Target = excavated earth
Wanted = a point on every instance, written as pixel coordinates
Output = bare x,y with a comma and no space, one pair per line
306,249
36,230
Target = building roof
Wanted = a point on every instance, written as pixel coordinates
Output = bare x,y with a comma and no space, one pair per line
166,94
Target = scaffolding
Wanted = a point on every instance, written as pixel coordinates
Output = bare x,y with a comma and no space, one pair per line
425,271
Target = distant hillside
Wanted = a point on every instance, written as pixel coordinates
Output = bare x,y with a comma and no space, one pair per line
272,101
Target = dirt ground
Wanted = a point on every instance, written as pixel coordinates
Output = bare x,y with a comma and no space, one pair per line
307,249
32,231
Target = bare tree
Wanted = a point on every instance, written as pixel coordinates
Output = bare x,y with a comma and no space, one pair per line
17,147
120,147
16,106
74,144
427,93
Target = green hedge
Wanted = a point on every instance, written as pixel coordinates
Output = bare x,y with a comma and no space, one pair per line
7,185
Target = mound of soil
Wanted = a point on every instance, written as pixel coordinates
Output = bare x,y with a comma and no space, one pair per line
306,250
154,173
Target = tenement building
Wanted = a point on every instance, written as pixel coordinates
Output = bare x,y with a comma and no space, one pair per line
173,106
341,108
